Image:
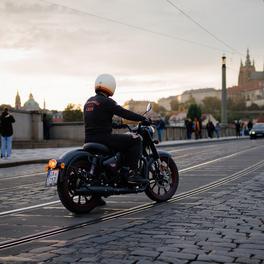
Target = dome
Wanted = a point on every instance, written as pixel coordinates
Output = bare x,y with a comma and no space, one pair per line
31,104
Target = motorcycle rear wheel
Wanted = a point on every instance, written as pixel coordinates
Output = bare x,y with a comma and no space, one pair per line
163,180
76,203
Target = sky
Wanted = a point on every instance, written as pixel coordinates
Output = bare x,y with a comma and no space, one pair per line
55,49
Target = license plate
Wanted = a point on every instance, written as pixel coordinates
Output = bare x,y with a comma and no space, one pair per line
52,178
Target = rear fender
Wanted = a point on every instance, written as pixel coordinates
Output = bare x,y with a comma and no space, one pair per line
70,157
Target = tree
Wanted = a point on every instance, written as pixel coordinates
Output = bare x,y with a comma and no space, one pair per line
158,108
175,105
194,111
253,106
72,113
212,105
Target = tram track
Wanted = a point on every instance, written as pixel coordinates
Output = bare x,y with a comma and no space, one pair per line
133,210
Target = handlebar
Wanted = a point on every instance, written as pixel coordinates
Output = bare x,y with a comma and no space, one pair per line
142,123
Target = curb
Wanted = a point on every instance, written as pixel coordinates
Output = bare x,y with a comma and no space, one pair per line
198,141
22,162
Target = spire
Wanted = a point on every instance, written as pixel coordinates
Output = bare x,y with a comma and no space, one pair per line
241,63
248,62
18,101
44,105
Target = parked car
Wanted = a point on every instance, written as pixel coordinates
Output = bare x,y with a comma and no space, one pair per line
257,131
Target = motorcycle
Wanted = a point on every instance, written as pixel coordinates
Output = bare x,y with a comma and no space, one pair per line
83,175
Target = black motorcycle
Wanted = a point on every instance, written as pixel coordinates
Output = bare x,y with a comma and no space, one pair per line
83,175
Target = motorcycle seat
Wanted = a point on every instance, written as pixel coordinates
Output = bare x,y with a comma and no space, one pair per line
96,148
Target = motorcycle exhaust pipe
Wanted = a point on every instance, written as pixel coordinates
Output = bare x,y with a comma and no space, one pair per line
103,190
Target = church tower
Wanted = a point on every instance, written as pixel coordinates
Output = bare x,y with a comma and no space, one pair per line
18,101
245,71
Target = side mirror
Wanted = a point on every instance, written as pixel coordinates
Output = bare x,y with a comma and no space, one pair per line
149,107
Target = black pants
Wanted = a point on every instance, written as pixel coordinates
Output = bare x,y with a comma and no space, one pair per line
130,145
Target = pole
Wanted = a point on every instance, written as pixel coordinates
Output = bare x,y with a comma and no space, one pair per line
224,100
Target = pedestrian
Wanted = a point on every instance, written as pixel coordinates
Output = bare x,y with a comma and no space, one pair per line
189,128
197,128
210,129
160,129
6,134
217,129
46,126
237,125
249,125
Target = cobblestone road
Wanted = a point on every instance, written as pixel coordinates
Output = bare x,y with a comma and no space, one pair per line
223,226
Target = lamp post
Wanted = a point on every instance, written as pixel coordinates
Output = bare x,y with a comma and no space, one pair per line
223,102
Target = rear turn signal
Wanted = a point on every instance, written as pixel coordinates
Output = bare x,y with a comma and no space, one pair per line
52,164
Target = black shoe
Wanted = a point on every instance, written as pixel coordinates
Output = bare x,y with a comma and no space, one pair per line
135,179
100,201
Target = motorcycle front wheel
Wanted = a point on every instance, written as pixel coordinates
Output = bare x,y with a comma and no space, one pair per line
73,178
163,179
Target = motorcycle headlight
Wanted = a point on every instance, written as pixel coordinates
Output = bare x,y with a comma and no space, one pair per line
152,128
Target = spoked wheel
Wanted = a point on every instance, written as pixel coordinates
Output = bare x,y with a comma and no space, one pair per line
163,180
73,179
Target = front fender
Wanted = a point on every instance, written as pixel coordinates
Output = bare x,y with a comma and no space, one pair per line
164,154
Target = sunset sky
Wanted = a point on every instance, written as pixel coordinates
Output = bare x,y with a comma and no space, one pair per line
154,48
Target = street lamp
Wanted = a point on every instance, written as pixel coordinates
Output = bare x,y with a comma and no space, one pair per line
223,102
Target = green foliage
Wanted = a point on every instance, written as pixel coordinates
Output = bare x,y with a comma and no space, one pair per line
175,105
212,105
158,108
253,107
236,105
194,111
72,113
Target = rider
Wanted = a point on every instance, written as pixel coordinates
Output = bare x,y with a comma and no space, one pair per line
98,113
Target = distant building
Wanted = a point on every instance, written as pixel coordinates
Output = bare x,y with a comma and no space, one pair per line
250,84
31,104
197,94
17,101
166,102
56,116
137,106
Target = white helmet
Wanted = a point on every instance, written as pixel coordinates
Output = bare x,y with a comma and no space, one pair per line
105,83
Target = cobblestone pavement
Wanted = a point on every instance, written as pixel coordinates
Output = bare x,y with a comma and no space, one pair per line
222,226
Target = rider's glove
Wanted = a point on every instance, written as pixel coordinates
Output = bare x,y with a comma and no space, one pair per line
147,122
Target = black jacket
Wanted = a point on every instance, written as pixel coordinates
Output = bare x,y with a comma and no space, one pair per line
98,114
6,128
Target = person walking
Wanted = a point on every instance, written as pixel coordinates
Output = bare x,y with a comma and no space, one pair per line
217,129
210,129
197,128
189,128
237,126
6,134
160,128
